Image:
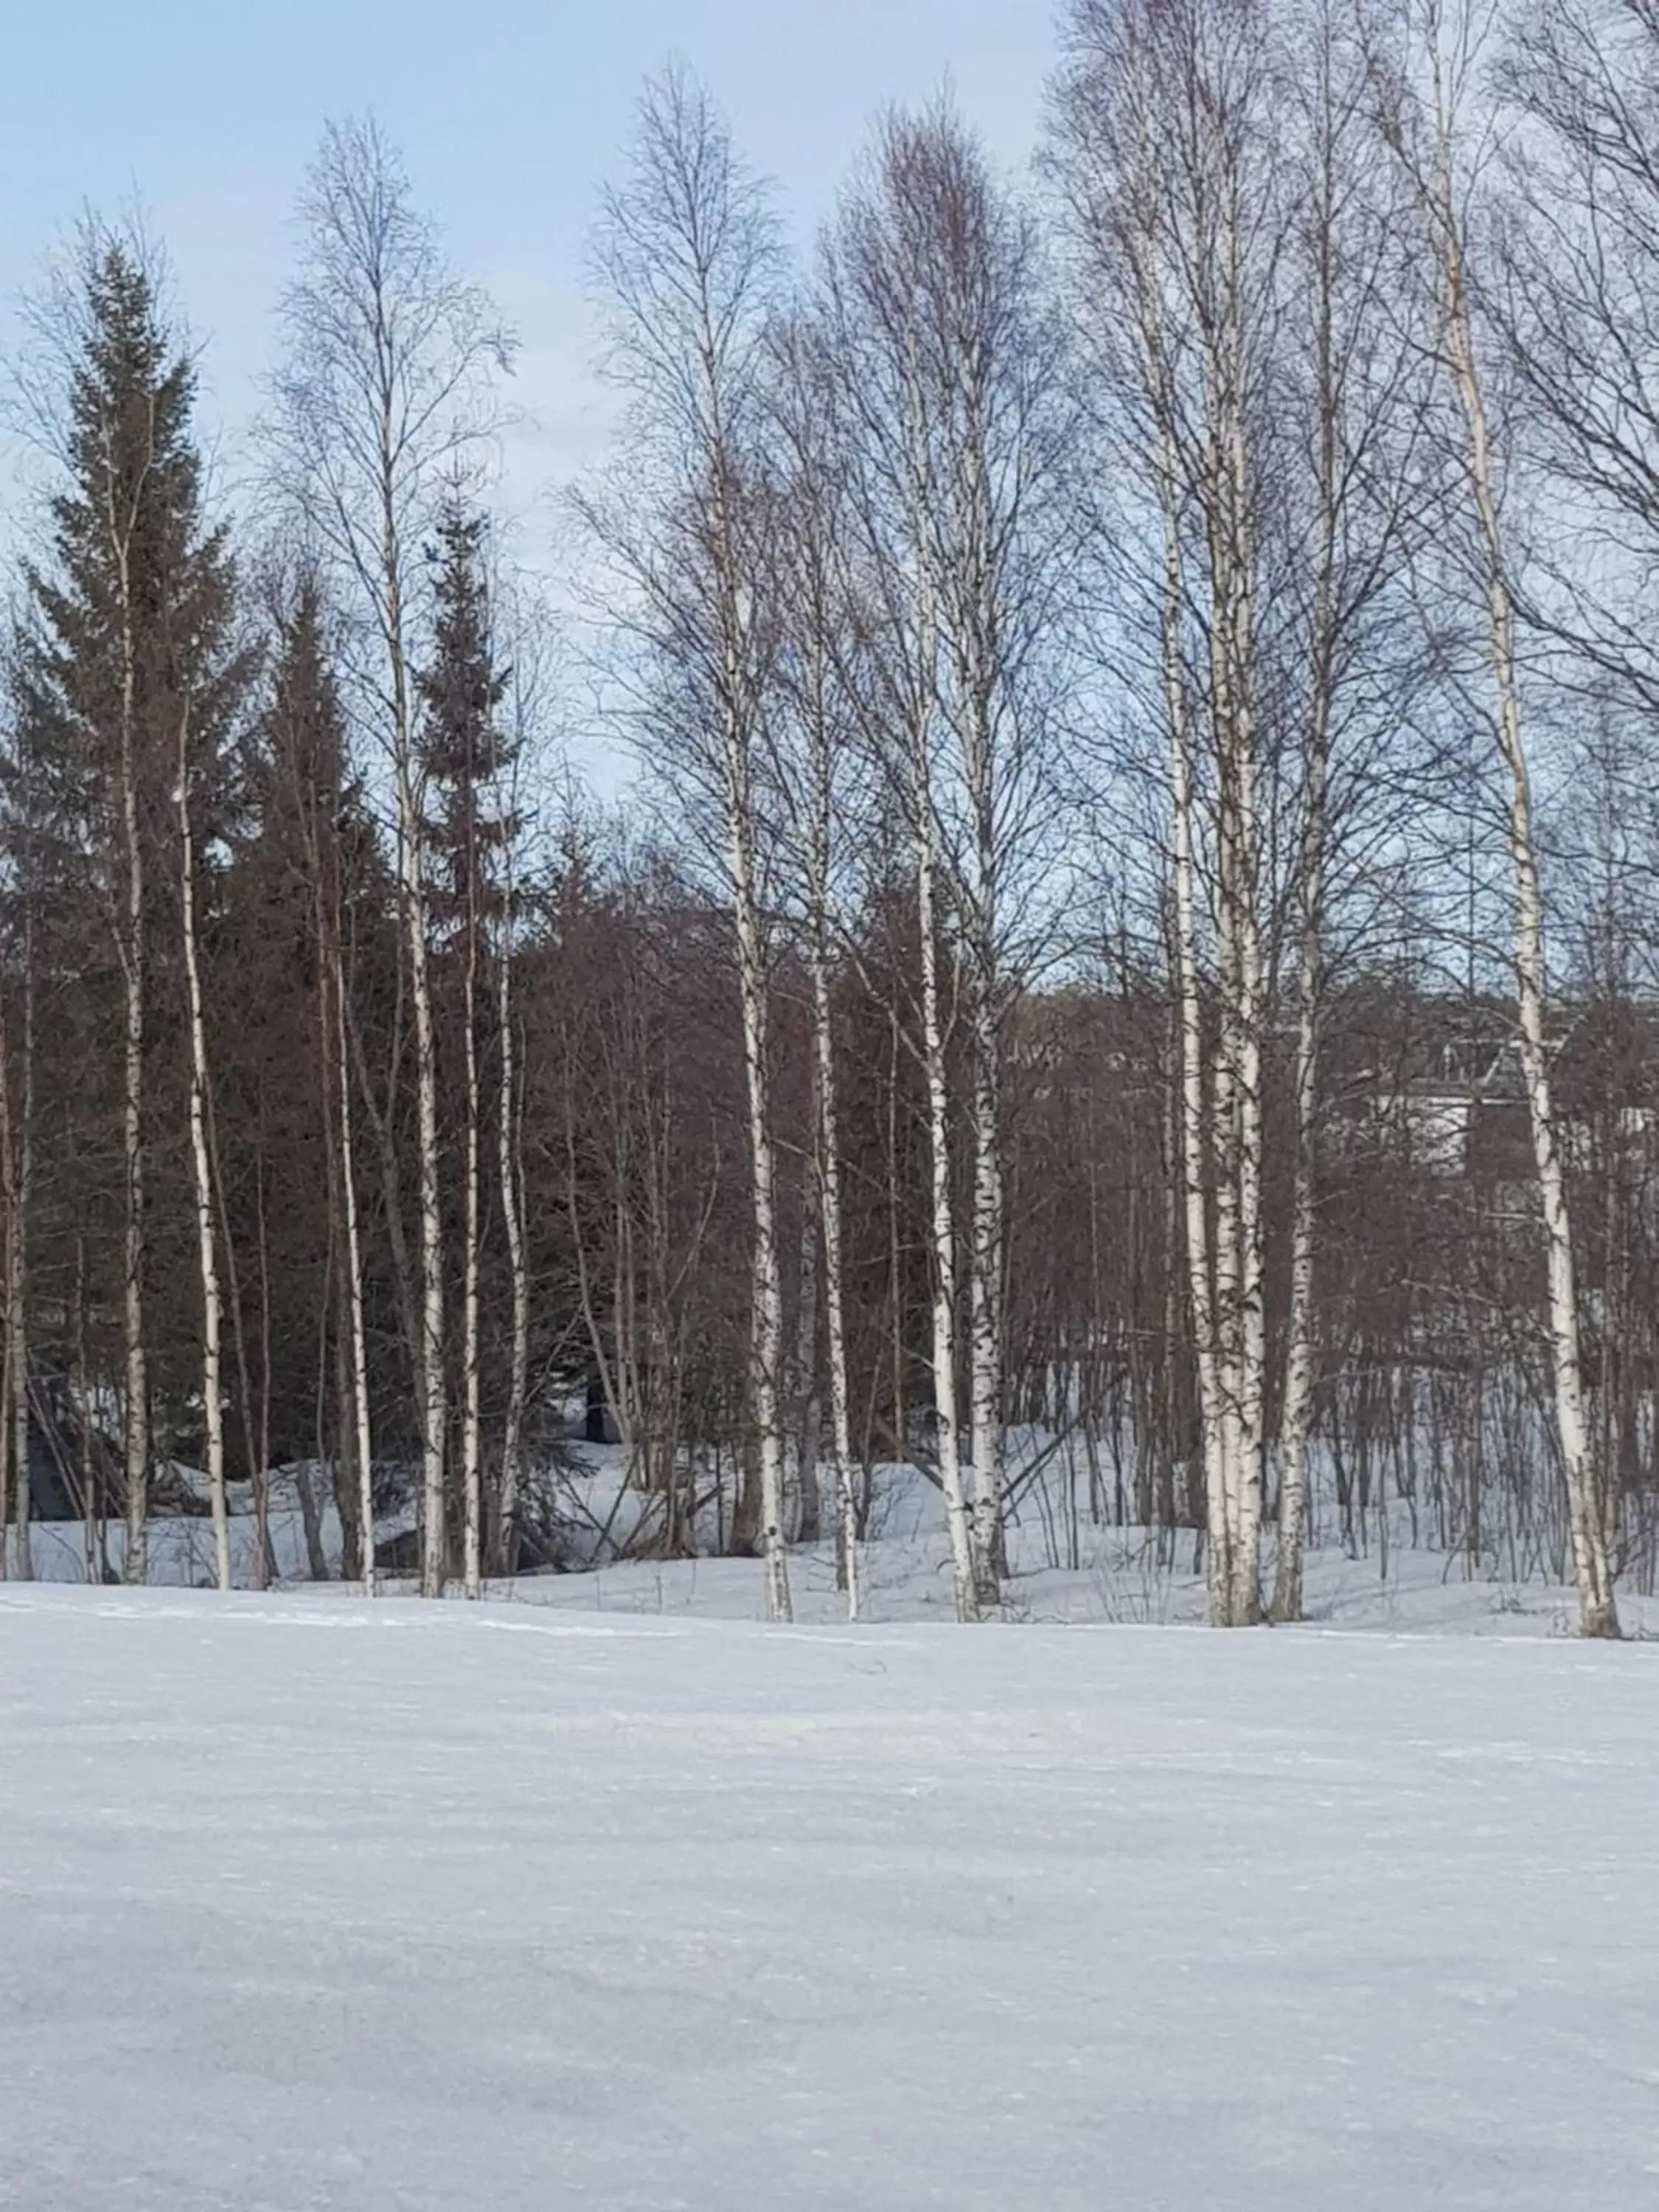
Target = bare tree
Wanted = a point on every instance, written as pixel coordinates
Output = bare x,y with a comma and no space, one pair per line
688,251
384,394
1169,139
812,779
1365,504
1426,85
877,280
1575,296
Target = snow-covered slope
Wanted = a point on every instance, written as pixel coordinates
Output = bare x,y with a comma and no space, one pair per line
308,1903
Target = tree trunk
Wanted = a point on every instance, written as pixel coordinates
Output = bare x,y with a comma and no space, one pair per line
1191,1087
471,1440
766,1283
130,946
512,1182
20,1158
1300,1350
364,1453
948,1429
835,1313
809,1405
213,1410
985,1301
1592,1569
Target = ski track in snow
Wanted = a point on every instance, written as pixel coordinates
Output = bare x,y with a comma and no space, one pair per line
674,1916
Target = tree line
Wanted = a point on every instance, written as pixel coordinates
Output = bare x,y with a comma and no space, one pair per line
1133,947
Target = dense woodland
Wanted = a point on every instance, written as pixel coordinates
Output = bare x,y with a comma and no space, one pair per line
1136,923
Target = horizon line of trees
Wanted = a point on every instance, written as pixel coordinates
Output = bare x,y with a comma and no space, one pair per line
1138,930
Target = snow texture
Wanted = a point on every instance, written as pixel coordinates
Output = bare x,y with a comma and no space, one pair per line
312,1904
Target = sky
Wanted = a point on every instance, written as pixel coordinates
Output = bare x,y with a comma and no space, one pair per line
510,114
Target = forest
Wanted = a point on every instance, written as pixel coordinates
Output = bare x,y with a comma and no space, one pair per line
1127,940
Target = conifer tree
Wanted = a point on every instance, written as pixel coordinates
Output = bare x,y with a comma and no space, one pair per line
305,896
463,755
128,682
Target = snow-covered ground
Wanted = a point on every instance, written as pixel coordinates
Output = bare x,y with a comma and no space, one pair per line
1122,1581
1065,1569
308,1903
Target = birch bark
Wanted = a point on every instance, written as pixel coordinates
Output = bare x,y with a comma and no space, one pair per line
1592,1568
213,1407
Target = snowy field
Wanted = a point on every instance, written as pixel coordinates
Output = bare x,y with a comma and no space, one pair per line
506,1909
1065,1569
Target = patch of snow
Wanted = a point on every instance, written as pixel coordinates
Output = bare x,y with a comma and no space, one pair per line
314,1904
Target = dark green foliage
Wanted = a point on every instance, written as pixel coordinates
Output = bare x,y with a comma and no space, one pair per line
463,751
127,660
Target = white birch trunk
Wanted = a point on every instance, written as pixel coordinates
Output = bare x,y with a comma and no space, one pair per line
948,1440
835,1311
364,1444
1191,1084
130,946
975,587
429,1353
985,1300
1239,1288
766,1353
1296,1415
1246,1533
807,1402
1201,1116
511,1175
434,1530
21,1175
929,865
213,1409
1592,1568
471,1440
1294,1419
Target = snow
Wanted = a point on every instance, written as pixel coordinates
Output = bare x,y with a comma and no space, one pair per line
180,1546
1121,1582
1065,1569
314,1904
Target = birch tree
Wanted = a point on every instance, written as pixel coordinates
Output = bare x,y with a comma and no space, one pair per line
508,761
985,352
207,1208
1426,86
877,277
689,254
1170,140
1364,501
814,780
385,393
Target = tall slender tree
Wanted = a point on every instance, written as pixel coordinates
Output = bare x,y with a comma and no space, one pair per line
462,751
128,682
690,252
385,394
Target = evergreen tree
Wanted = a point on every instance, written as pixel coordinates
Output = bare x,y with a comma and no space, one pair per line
274,1084
465,756
462,756
128,675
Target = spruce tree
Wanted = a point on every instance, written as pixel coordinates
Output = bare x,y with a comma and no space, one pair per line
126,671
312,946
464,753
462,756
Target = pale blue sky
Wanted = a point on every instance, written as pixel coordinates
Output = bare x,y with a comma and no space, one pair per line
510,113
